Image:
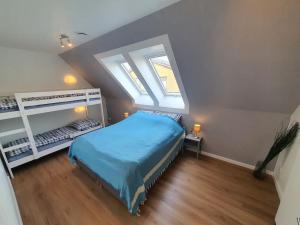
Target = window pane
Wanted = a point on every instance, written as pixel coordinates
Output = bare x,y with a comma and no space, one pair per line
165,74
134,78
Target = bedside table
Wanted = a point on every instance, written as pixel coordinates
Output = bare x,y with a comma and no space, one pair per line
193,144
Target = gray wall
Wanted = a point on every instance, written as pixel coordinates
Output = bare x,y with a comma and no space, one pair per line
239,62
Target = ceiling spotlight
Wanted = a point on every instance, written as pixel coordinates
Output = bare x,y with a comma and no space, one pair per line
69,43
62,41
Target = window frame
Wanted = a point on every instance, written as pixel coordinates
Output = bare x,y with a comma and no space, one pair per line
132,81
135,55
156,75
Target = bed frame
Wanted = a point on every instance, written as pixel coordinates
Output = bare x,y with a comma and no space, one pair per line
99,181
103,184
34,103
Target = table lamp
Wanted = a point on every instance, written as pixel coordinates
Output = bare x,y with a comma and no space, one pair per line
196,130
125,114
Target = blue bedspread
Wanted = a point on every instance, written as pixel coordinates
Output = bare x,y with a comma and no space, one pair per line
130,155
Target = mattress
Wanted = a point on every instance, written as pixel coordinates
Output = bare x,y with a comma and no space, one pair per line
9,110
45,147
130,155
49,139
19,156
8,104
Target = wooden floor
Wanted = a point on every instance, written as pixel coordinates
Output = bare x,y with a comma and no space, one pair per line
204,191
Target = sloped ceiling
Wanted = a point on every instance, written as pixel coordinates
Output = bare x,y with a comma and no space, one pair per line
239,62
235,54
36,24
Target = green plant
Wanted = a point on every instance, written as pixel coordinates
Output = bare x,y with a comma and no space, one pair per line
283,139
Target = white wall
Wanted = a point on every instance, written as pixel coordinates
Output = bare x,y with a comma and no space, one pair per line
23,70
289,209
9,213
287,159
287,179
27,71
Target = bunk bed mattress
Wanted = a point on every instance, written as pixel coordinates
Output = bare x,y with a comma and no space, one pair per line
130,155
42,141
9,110
8,104
49,139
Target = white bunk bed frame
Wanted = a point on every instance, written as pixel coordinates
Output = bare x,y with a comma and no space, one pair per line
29,105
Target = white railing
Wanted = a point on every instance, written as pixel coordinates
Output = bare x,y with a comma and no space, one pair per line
42,102
14,147
12,132
9,115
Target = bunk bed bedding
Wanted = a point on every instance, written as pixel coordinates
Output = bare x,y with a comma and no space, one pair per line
43,139
8,104
58,97
52,97
130,155
175,116
58,135
84,124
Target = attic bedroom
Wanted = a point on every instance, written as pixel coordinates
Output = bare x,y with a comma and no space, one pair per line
149,112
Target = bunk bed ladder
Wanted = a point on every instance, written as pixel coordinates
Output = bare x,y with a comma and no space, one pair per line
87,94
26,125
6,161
4,150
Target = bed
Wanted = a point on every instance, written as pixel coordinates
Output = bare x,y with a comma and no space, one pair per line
129,156
49,139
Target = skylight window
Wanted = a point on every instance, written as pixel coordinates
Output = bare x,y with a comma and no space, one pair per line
133,77
148,72
162,68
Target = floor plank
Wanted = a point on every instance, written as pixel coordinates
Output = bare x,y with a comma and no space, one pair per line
51,191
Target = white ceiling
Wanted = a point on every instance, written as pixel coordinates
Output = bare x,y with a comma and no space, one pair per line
36,24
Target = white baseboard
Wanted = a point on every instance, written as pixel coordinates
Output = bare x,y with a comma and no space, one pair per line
278,188
245,165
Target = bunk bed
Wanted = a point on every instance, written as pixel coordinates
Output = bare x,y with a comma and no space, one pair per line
31,147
